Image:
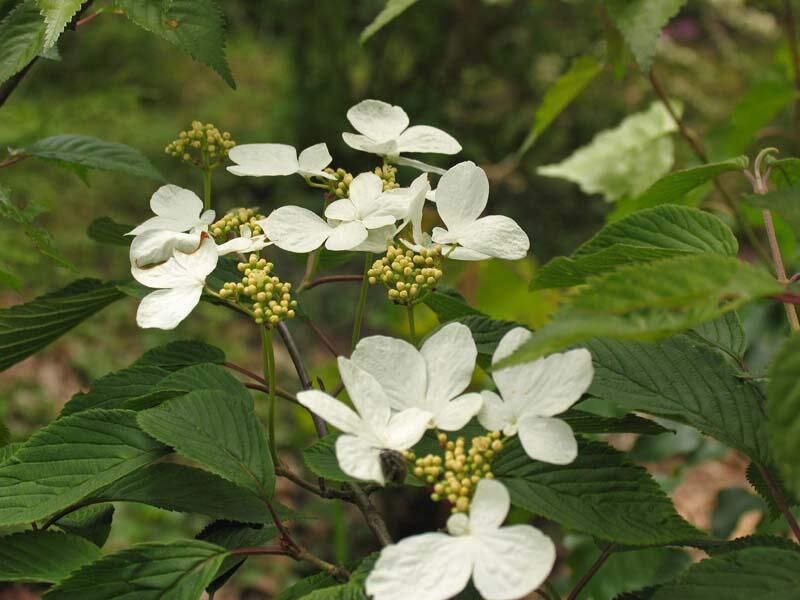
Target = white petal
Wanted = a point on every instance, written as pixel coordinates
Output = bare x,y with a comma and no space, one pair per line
346,236
169,274
422,138
206,219
398,367
406,428
341,210
489,506
156,246
365,144
450,356
457,413
258,160
295,229
416,164
548,440
315,158
165,309
378,120
377,239
496,236
459,253
495,414
359,458
412,202
431,566
512,562
329,408
202,261
243,245
461,195
364,192
378,221
176,202
366,394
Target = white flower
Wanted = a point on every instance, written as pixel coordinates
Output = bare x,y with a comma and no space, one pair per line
179,282
369,431
258,160
504,562
365,221
532,393
384,130
431,379
461,197
245,243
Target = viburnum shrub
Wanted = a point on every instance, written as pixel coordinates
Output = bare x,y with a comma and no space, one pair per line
495,425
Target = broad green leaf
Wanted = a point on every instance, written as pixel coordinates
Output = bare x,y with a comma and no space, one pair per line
107,231
7,278
487,332
5,435
651,234
331,259
176,571
57,14
640,22
232,535
27,328
569,86
391,11
86,152
600,493
21,38
762,488
180,354
220,432
757,572
751,541
785,202
195,26
623,161
319,587
114,389
785,171
90,522
783,406
70,459
320,458
448,304
7,451
43,556
726,334
755,109
684,381
585,422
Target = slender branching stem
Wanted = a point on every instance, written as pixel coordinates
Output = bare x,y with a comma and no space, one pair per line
780,270
12,160
373,518
412,330
362,301
780,501
206,188
322,337
327,279
269,373
591,572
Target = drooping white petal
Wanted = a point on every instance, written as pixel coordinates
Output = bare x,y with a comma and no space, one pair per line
378,120
494,415
406,428
313,160
495,235
359,458
176,202
511,562
169,274
346,236
431,566
377,239
489,506
166,308
457,413
258,160
397,365
547,439
366,144
295,229
459,253
416,164
206,219
450,356
364,192
156,246
461,195
422,138
366,394
412,202
202,261
341,210
329,408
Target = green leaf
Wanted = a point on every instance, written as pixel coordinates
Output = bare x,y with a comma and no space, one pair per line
86,152
43,556
218,431
645,236
755,109
195,26
327,588
114,389
569,86
600,493
27,328
391,11
759,484
604,166
90,522
783,394
726,334
758,572
181,354
681,380
176,571
107,231
57,14
21,38
7,451
448,304
640,22
585,422
69,459
331,259
7,278
320,458
785,202
232,535
5,435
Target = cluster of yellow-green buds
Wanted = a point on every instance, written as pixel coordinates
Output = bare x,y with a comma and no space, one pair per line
202,145
340,187
408,275
455,476
271,298
233,220
387,173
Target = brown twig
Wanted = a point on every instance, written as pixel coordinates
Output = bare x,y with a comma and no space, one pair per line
12,160
780,270
278,392
591,572
780,501
322,337
243,371
328,279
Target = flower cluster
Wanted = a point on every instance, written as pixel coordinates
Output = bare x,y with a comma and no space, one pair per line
232,221
201,145
270,297
388,175
408,275
340,185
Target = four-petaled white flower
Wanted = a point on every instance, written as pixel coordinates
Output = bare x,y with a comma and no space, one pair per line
432,379
461,197
504,562
383,129
532,393
258,160
365,221
179,283
371,430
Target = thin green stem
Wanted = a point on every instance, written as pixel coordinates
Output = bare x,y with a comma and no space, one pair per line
412,330
206,188
269,375
362,301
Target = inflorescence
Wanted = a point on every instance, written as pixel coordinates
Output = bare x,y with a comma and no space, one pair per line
408,275
202,145
270,297
387,173
340,187
233,220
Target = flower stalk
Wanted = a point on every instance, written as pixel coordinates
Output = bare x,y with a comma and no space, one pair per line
412,331
269,375
362,300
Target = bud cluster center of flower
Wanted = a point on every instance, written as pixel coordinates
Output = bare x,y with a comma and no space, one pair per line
202,145
409,276
233,220
271,298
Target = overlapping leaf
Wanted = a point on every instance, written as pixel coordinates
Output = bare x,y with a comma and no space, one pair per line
21,38
57,14
232,535
43,556
107,231
115,389
90,522
392,10
180,354
726,334
783,407
641,22
785,202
